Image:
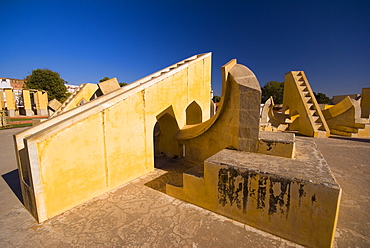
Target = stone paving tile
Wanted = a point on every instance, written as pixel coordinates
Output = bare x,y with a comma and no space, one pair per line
133,215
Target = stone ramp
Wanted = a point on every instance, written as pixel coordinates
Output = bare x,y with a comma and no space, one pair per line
108,141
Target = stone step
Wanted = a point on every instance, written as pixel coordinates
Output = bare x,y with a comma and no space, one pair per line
321,134
347,129
197,171
341,133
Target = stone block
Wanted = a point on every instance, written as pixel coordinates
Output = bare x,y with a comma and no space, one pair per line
109,86
297,199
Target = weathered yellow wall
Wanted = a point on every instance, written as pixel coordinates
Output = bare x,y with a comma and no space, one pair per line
68,177
302,210
107,142
236,123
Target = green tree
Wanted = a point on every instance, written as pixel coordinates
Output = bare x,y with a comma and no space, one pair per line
48,80
104,79
321,98
107,78
274,89
216,99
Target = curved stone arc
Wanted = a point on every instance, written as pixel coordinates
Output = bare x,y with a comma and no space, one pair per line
236,123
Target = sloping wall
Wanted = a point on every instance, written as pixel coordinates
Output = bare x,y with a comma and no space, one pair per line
107,142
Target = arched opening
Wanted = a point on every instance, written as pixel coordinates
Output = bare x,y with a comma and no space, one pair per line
164,142
193,114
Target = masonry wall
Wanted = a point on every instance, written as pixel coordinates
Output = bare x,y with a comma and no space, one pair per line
110,142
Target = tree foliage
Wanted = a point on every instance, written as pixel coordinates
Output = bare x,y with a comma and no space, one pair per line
321,98
48,80
216,99
107,78
274,89
104,79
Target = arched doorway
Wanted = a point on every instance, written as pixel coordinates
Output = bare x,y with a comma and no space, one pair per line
164,142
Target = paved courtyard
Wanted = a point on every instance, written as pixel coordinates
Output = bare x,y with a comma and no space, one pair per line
138,214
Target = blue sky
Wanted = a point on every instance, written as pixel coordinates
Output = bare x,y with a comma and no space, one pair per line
87,40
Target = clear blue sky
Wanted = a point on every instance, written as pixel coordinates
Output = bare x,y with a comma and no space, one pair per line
87,40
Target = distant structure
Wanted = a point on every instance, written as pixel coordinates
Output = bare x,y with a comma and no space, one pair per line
17,101
15,84
71,88
83,94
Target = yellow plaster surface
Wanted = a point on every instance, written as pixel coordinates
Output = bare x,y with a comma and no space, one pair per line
107,142
300,103
365,103
344,118
26,99
10,101
270,193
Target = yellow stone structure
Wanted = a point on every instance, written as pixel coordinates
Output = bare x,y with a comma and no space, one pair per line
39,98
10,102
271,120
344,118
297,199
239,172
87,92
301,105
105,143
365,103
41,101
27,102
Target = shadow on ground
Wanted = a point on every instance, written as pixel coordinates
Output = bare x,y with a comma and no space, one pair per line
12,179
174,169
365,140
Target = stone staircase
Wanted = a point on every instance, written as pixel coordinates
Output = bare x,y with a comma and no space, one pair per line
311,108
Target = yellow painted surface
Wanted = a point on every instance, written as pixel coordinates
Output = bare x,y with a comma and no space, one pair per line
299,210
365,103
277,149
26,99
84,93
41,99
236,123
300,103
105,143
10,100
67,177
344,118
2,105
108,85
